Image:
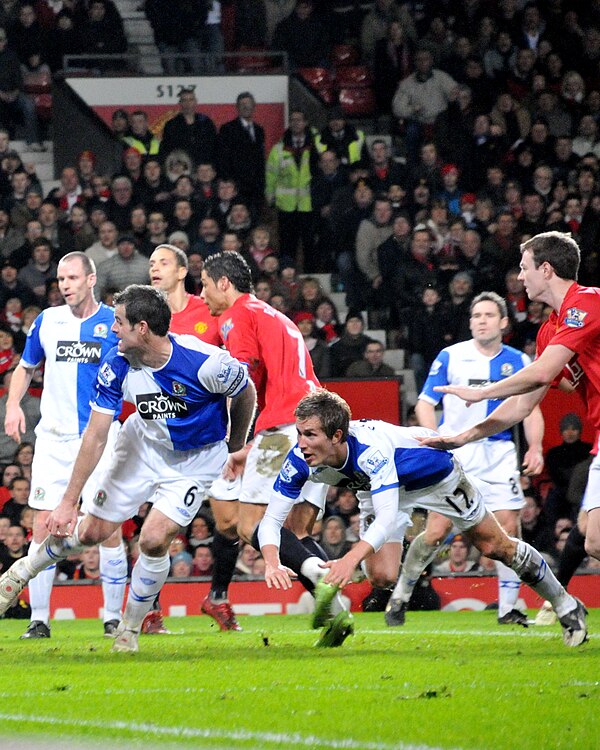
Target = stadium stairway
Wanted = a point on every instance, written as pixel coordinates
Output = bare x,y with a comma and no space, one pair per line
139,36
43,161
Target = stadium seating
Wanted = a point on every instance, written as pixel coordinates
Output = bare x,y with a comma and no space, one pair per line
357,101
344,54
354,76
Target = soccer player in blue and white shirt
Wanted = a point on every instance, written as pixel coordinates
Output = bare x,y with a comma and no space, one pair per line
482,359
168,452
390,470
70,340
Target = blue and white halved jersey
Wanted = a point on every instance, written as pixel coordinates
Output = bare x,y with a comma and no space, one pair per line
181,405
464,364
73,349
383,460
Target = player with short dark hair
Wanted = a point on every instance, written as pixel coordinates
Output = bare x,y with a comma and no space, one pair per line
166,453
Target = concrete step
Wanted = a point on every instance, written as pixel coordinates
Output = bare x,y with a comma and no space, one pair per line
44,171
39,157
48,185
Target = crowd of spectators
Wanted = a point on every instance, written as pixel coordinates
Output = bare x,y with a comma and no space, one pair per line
487,133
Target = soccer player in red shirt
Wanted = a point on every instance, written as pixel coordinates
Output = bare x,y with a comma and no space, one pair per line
282,371
189,314
567,356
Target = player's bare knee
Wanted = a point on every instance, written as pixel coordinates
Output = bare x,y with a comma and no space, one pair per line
436,530
154,546
229,532
592,546
90,534
245,531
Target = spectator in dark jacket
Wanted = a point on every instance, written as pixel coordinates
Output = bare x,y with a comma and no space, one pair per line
102,33
191,131
241,152
303,35
14,104
350,347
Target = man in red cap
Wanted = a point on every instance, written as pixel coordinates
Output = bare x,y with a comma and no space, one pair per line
451,192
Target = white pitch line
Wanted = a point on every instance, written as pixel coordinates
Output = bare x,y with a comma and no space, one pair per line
273,738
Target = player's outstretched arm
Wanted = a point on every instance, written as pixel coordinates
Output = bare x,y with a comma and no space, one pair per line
241,410
426,414
533,426
62,520
539,374
14,421
506,415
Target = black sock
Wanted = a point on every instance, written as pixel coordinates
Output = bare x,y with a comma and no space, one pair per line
225,552
571,557
313,546
293,553
377,600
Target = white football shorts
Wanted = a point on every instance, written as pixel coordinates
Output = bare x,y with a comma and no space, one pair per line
459,497
53,462
591,496
495,462
140,471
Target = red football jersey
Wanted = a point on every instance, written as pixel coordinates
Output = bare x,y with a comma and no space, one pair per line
276,354
577,326
195,319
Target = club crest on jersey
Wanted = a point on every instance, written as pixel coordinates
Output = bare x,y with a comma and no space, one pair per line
201,327
101,330
100,498
506,370
39,494
106,374
179,389
376,462
226,329
288,471
575,317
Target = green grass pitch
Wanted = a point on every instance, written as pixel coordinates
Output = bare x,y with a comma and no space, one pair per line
444,680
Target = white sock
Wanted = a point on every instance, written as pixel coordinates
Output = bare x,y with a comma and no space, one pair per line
418,557
113,573
532,569
40,589
147,579
49,552
312,569
509,584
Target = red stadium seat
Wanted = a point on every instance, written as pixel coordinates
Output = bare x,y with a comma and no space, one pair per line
357,101
316,77
327,94
43,106
352,76
344,54
321,82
